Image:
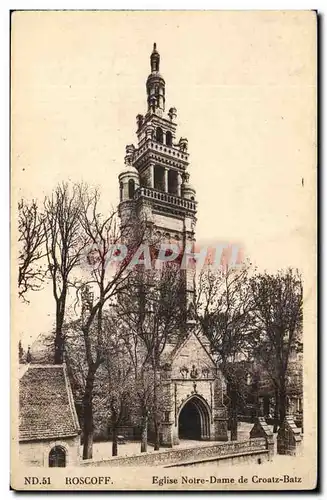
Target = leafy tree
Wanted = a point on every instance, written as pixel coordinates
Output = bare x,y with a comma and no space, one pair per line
119,385
277,326
223,308
112,385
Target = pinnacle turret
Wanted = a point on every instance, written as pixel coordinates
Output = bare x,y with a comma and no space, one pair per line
155,85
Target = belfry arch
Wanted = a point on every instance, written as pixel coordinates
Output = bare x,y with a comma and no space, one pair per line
194,419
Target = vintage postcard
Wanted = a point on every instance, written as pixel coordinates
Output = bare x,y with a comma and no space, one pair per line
163,188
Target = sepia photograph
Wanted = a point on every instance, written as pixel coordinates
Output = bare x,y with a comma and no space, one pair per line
163,250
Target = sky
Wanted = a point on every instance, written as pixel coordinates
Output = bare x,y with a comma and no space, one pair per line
244,85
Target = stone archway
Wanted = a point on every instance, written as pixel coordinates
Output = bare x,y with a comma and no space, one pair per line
194,420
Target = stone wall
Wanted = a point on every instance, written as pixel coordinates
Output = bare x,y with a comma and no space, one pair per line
36,453
289,438
174,456
251,457
261,429
169,223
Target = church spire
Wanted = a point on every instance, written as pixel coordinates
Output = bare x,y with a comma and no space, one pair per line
155,85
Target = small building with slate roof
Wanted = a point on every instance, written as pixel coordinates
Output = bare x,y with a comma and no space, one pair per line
49,431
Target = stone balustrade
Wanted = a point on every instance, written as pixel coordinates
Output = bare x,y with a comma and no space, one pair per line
154,194
162,148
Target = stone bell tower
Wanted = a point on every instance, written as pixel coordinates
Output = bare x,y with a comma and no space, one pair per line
155,188
154,185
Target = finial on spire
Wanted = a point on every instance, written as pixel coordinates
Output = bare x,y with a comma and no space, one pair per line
155,84
155,59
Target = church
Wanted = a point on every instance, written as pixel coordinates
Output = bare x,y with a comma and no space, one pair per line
155,186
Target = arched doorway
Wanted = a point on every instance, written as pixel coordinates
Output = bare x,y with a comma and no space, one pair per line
194,420
57,457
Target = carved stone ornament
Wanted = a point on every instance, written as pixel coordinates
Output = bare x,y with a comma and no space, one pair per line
184,371
185,177
128,160
194,372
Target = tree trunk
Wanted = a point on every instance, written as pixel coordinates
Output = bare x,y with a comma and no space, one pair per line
155,413
234,398
255,392
88,415
88,431
276,412
59,349
282,402
157,434
59,338
144,436
114,441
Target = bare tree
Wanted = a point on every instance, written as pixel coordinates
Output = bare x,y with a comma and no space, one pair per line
106,282
277,326
65,244
150,313
31,247
223,307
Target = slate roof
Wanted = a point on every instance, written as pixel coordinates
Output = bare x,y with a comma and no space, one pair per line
46,405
